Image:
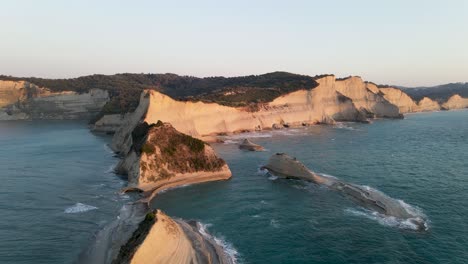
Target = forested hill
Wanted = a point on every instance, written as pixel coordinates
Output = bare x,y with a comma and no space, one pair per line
439,93
125,88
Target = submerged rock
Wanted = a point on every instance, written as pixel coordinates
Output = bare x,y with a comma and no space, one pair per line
286,166
249,145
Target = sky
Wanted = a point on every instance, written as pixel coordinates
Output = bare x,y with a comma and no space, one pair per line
408,43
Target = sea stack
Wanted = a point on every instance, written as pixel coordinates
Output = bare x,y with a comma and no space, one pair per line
161,157
250,146
286,166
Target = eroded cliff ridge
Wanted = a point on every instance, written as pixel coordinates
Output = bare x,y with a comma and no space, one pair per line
161,239
161,157
24,100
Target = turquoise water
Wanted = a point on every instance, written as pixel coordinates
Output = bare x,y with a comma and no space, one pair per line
421,160
56,190
49,167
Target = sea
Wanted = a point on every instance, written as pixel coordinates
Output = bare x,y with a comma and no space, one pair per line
58,189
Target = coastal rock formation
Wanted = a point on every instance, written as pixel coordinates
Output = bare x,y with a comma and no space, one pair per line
161,239
426,105
109,123
23,100
139,235
399,98
325,103
249,145
456,102
161,157
364,97
286,166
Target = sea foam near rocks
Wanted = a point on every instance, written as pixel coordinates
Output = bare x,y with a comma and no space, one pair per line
227,247
79,208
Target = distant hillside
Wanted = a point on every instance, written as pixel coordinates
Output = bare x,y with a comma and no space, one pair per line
125,88
439,93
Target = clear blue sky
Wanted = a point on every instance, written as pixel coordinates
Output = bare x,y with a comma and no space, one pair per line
396,42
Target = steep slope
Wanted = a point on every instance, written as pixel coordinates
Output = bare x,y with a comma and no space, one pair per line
363,97
161,239
399,98
456,102
426,105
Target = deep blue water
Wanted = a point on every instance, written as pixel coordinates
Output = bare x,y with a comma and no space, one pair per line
48,167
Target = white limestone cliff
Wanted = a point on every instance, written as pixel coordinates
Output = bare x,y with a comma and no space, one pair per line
399,98
427,105
23,100
456,102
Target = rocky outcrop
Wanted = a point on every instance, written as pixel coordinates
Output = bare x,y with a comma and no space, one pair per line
246,144
400,99
161,157
427,105
23,100
109,123
161,239
286,166
455,102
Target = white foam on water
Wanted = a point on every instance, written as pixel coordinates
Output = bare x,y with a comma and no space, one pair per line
111,169
108,149
175,187
386,220
229,141
274,223
341,125
124,196
227,247
249,135
79,208
273,178
263,172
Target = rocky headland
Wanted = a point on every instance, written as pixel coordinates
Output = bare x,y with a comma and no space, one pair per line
161,157
21,100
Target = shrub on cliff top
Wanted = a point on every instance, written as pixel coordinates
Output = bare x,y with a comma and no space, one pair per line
148,148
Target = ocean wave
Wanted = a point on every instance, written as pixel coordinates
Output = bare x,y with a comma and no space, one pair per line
230,141
263,172
227,247
111,169
274,223
108,149
340,125
273,178
261,134
386,220
79,208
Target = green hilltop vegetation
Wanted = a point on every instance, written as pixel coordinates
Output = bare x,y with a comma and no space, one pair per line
125,88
